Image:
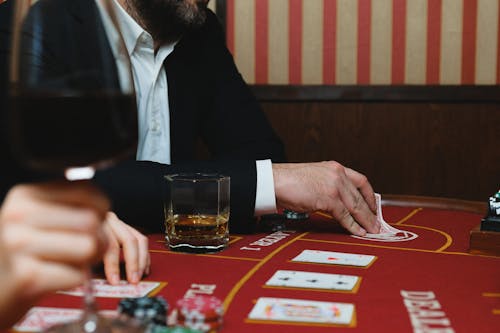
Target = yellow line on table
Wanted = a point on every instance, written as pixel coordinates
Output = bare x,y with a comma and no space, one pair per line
386,247
156,290
409,216
449,239
496,311
491,294
324,215
229,298
404,219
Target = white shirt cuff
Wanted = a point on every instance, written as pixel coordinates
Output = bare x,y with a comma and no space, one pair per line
265,199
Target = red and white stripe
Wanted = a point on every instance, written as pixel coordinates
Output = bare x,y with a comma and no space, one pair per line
365,41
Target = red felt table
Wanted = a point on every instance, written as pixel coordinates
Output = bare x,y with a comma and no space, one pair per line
465,288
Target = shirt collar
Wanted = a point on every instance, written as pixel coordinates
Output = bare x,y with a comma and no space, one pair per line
131,30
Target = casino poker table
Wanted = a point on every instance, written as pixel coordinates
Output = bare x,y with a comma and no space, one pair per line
430,283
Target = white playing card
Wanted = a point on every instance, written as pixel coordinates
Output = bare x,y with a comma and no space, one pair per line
103,289
334,258
387,232
299,279
40,318
294,310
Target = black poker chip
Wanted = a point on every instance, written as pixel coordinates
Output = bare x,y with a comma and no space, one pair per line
146,310
272,223
292,215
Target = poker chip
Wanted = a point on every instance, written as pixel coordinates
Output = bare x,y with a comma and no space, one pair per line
146,310
292,215
206,326
200,307
497,196
201,312
272,223
176,329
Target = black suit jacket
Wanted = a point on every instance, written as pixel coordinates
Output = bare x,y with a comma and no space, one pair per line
209,101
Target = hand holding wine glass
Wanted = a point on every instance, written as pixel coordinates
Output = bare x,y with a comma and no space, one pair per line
72,103
49,232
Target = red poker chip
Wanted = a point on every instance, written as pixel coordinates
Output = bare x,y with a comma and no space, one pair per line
199,308
207,326
209,320
198,317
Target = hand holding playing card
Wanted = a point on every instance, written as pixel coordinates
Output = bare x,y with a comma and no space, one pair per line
387,232
330,187
51,232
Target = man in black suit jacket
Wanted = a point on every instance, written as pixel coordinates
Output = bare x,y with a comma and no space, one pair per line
209,100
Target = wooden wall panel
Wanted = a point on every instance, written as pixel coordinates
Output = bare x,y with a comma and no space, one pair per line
448,150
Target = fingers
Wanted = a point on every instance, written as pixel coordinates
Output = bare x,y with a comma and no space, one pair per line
344,217
358,208
363,185
77,193
112,257
143,247
135,251
77,249
57,205
40,277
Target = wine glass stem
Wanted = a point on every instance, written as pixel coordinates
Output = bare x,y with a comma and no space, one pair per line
90,321
89,318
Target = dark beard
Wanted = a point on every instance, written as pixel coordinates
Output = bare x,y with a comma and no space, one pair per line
168,20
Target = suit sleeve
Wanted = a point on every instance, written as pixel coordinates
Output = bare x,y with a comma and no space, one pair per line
236,127
137,192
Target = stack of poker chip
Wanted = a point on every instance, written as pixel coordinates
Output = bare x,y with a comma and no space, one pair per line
200,312
148,311
293,215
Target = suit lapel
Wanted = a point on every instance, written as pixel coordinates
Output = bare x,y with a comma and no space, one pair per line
89,35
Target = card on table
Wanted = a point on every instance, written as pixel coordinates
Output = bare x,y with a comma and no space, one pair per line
306,311
300,279
124,289
40,318
334,258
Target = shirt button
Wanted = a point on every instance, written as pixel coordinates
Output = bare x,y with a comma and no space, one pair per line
155,126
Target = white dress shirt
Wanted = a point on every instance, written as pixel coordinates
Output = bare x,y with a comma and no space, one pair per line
151,89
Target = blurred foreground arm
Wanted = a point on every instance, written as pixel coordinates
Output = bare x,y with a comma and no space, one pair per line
329,187
49,234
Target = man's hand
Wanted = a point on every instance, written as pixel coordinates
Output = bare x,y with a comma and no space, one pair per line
135,251
330,187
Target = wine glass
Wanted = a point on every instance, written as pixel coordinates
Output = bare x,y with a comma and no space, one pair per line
72,102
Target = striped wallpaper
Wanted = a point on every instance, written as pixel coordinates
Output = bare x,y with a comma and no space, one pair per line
365,41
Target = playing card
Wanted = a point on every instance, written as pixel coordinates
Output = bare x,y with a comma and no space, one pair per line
40,318
387,232
299,279
103,289
293,310
334,258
